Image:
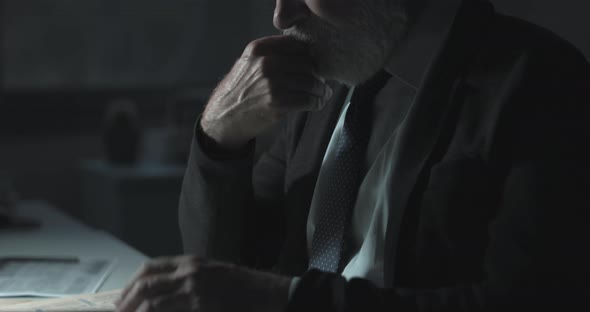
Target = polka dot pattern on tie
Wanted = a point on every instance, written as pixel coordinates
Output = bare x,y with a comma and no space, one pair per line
337,200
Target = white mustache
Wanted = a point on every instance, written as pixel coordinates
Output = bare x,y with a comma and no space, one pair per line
299,35
311,31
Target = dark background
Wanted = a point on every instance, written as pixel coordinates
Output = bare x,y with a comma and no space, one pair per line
62,63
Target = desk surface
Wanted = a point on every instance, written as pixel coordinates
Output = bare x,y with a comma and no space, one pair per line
61,235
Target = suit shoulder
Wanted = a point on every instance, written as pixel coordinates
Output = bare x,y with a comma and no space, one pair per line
526,80
511,38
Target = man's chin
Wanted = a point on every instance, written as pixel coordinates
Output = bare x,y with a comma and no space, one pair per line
336,61
328,64
347,73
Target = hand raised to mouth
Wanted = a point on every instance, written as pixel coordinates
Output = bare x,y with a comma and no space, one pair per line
274,76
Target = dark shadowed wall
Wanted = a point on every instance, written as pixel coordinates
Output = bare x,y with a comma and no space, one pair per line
62,61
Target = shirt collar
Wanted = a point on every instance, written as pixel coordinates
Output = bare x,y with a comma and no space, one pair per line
425,36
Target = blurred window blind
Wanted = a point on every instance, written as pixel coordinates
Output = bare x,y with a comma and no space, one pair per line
114,44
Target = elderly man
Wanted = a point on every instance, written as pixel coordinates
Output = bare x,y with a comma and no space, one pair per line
432,158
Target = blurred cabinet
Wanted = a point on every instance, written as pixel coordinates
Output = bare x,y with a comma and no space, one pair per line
139,205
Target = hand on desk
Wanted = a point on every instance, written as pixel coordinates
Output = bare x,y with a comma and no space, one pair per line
187,283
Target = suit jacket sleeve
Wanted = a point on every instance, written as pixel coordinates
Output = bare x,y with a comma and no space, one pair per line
537,254
221,204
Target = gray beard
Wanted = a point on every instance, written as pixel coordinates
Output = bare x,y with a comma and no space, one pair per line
353,54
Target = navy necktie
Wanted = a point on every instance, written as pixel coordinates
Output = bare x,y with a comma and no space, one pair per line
345,175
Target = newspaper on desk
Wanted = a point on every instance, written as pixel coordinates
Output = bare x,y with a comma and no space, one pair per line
51,277
100,302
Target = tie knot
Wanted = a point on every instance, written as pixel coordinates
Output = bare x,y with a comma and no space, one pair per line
359,111
366,91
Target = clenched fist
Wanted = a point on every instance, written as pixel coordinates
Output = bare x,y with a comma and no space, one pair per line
274,76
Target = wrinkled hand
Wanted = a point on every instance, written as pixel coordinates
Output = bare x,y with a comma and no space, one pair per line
187,283
274,76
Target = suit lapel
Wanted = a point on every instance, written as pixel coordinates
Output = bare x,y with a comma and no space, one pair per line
428,122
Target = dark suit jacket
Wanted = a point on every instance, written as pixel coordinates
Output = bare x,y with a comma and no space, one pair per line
489,207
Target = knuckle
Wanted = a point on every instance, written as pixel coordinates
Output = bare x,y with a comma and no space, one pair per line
144,268
254,48
187,264
146,285
152,305
142,271
143,286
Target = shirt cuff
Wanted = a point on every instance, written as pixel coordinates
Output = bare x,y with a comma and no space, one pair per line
216,152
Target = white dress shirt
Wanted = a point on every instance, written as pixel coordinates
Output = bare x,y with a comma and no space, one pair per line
364,241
